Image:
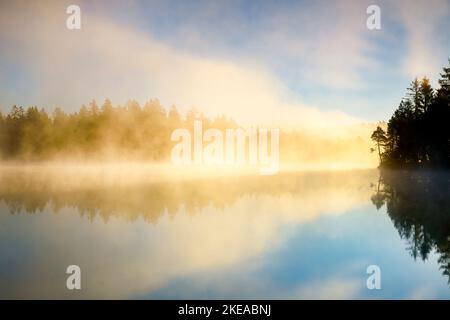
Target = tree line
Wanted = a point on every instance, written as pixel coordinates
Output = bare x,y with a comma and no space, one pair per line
418,133
130,131
143,133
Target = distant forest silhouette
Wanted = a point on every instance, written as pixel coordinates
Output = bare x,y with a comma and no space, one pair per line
143,133
95,131
418,133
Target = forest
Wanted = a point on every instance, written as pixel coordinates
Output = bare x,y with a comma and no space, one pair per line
93,131
143,133
418,133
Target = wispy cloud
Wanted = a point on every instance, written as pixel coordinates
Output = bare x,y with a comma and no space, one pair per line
315,62
422,20
106,59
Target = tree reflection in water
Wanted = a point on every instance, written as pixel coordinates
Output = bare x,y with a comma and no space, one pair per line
107,194
418,204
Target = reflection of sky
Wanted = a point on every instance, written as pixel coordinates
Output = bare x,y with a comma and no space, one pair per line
270,247
326,258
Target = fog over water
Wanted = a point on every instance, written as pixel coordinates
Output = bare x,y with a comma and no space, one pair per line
144,233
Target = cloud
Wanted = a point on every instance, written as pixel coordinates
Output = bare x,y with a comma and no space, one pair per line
106,59
327,41
425,50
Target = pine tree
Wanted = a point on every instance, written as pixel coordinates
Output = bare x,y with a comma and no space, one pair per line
444,82
380,139
426,94
414,95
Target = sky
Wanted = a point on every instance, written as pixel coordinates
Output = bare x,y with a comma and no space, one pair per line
312,63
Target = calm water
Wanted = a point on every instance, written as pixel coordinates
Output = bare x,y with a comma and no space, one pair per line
293,236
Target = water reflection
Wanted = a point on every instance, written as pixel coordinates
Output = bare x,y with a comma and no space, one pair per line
134,234
154,234
418,204
108,194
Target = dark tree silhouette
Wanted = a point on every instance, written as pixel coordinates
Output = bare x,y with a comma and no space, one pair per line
418,133
380,139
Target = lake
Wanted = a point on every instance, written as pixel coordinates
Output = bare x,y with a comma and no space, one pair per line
295,235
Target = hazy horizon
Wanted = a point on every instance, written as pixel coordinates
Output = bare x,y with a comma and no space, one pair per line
311,65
